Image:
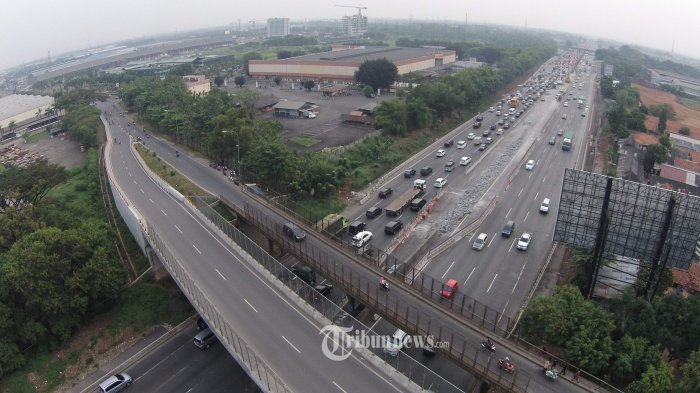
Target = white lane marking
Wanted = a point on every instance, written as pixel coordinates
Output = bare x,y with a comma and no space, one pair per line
492,281
151,201
178,229
141,189
536,195
129,174
222,276
469,276
448,269
249,305
490,241
544,178
375,322
291,345
471,237
511,245
135,182
528,213
521,191
161,210
338,386
509,210
195,247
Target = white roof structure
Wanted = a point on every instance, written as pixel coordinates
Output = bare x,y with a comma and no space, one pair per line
17,104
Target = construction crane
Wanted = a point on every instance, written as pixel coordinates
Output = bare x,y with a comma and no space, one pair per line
251,23
359,8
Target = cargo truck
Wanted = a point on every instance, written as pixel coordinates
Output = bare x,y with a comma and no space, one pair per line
333,224
567,141
396,207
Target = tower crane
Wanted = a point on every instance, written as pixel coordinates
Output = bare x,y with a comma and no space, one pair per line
359,8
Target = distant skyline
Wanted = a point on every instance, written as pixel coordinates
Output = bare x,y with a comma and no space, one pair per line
32,28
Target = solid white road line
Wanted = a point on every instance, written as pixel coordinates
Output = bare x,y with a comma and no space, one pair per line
249,305
151,201
222,276
448,269
195,247
521,191
528,213
509,210
339,388
492,281
469,276
178,229
490,241
292,345
161,210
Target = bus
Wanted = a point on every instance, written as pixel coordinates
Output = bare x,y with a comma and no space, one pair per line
568,140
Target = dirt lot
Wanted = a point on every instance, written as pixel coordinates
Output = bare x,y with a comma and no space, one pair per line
58,150
326,127
685,116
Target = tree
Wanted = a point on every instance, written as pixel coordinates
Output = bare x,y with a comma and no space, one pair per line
308,84
277,80
662,121
284,54
635,120
689,381
219,80
633,355
419,113
247,58
239,81
684,131
392,117
665,141
656,379
368,91
606,87
379,74
655,154
21,187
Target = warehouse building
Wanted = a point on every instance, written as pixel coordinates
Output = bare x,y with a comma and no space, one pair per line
339,66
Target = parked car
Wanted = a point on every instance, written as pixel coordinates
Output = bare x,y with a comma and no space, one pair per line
449,288
409,173
396,343
324,289
385,192
524,241
480,242
373,212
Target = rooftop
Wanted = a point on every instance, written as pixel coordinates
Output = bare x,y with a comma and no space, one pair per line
368,53
688,279
15,104
290,105
644,139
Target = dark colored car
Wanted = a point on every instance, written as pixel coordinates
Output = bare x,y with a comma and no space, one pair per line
449,143
324,289
425,171
294,232
373,211
408,173
356,227
201,324
508,229
493,127
477,124
417,204
479,118
385,192
393,227
506,126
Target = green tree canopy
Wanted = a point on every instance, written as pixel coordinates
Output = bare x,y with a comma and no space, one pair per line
379,74
689,381
392,117
308,84
656,379
20,187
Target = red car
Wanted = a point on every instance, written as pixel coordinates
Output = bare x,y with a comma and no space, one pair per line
449,289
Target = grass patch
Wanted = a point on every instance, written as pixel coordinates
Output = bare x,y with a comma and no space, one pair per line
149,304
690,103
44,368
304,140
225,213
36,137
168,173
314,209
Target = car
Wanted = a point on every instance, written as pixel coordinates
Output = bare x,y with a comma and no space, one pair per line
426,170
544,207
440,153
479,118
204,339
393,227
553,140
506,125
498,113
499,131
530,165
476,124
560,132
356,227
373,212
493,127
201,324
449,165
461,144
361,239
488,140
471,136
294,232
449,288
486,133
566,103
385,192
482,147
524,241
464,161
477,141
396,342
480,242
324,289
115,383
409,173
501,122
508,229
440,182
491,109
417,204
449,143
583,114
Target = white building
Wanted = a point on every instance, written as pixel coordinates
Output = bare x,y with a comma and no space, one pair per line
277,27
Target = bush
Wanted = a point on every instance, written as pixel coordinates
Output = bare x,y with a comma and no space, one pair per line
684,131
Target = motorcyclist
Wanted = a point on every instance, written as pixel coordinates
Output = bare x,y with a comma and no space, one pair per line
507,364
383,283
488,342
177,153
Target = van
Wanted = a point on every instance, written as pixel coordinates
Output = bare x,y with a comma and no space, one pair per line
440,182
294,232
396,343
417,204
373,212
464,161
356,227
393,227
204,339
544,207
419,184
306,274
449,166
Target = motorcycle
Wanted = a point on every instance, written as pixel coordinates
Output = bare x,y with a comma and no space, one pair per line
506,366
489,347
177,153
384,286
551,374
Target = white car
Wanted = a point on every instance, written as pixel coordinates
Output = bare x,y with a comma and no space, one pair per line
530,165
492,109
524,241
361,239
471,136
461,144
439,182
480,242
499,131
440,153
464,161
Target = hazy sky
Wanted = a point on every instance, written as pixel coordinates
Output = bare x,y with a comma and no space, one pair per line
30,28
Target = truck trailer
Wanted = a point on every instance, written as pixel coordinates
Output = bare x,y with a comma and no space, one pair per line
396,207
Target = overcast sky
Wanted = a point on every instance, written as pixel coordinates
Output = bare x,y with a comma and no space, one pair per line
30,28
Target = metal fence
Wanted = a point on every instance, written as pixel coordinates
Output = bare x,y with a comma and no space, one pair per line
246,357
406,365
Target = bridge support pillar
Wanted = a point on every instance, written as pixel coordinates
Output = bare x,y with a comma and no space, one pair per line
159,271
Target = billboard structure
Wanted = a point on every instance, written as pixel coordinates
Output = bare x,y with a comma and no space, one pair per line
615,217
